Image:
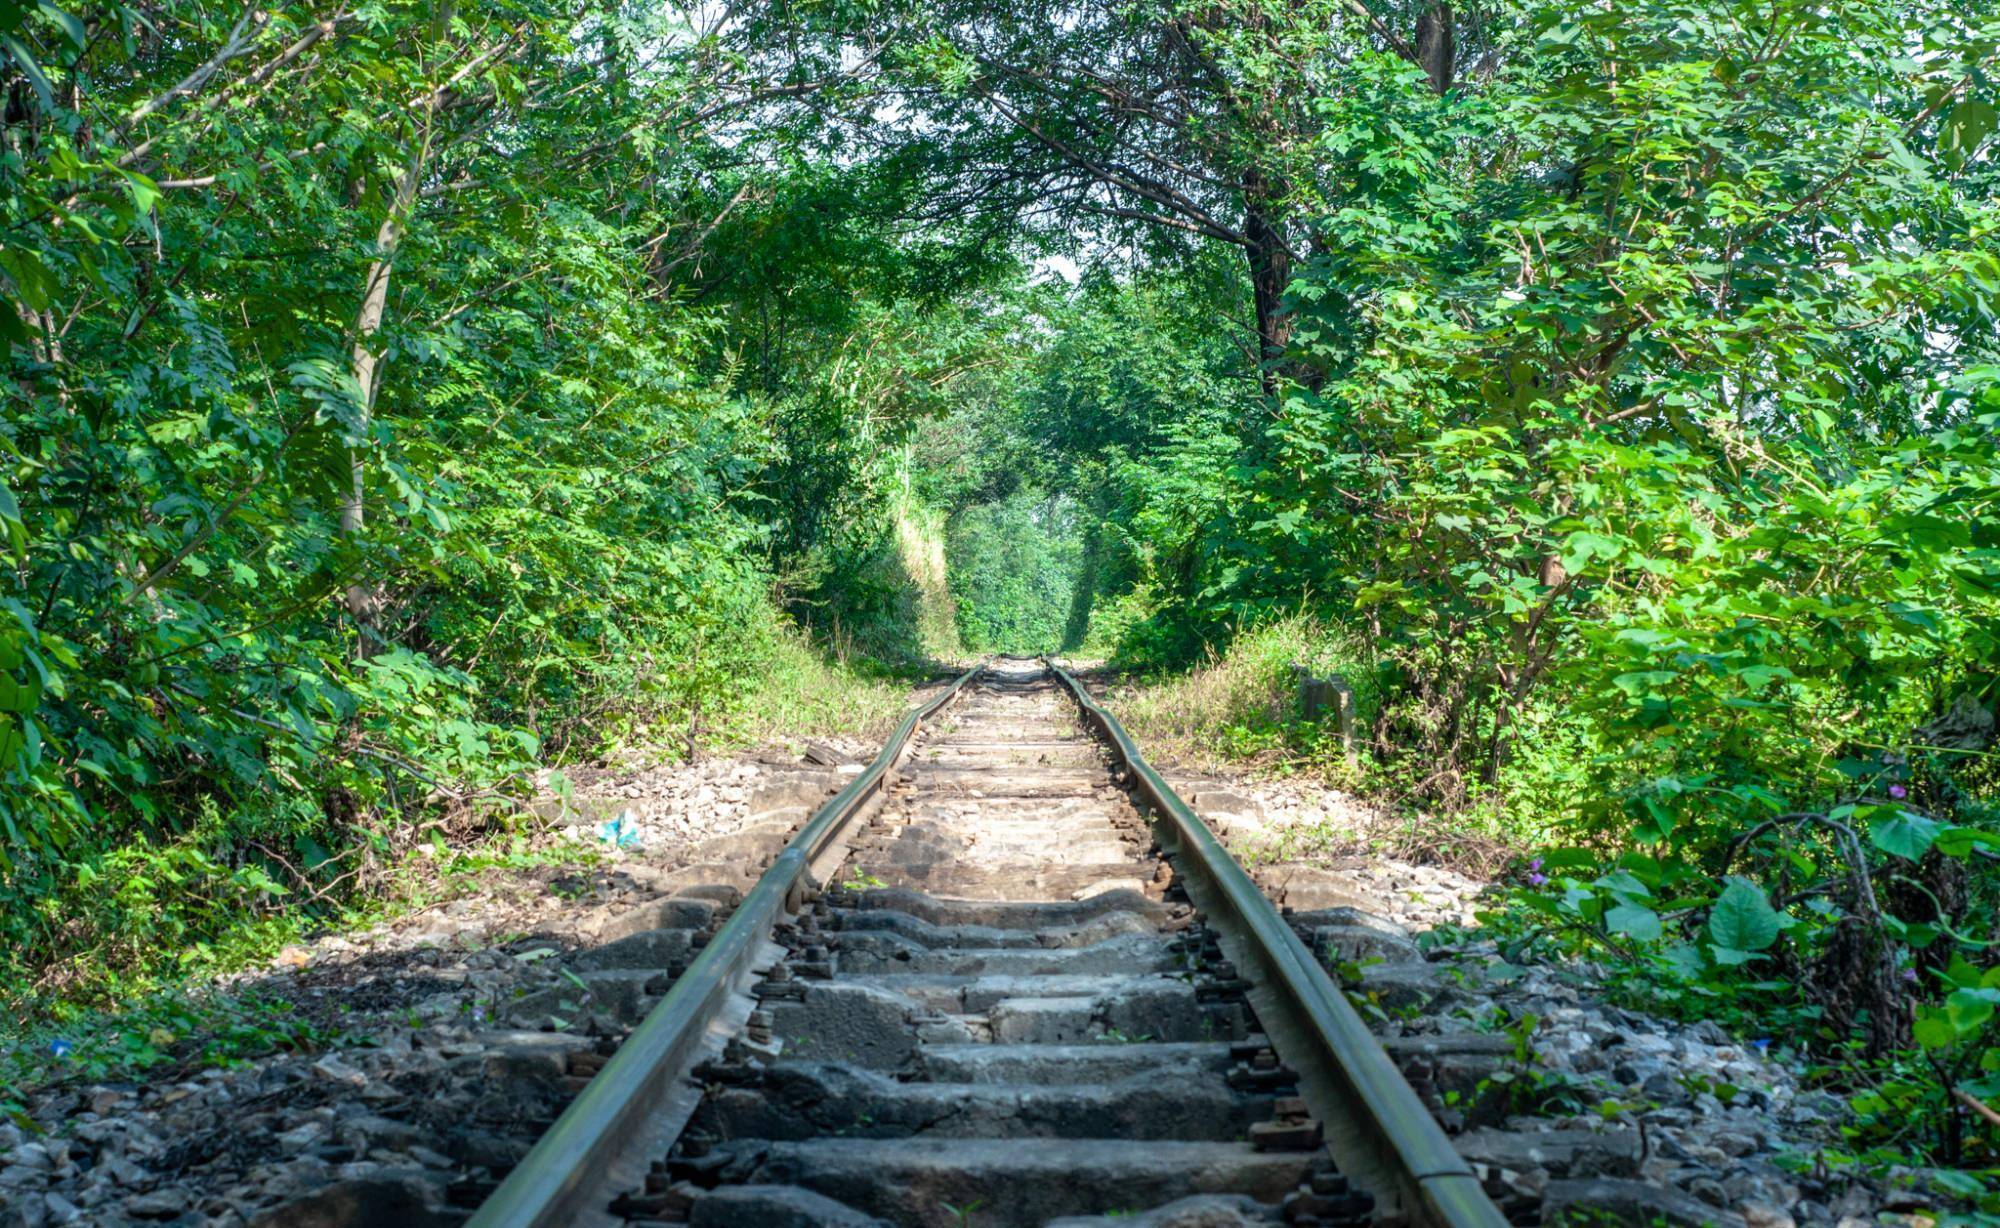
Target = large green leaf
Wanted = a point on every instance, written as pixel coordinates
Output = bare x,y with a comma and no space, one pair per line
1742,922
1634,921
1903,834
1969,1009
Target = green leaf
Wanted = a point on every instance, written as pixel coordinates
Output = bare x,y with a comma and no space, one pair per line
1634,921
68,23
1968,1009
1742,920
1903,834
1960,841
1967,125
1933,1031
1624,884
25,62
17,695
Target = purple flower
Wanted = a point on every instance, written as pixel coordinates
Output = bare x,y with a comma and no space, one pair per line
1538,880
1898,792
1536,864
1761,1044
1910,976
61,1047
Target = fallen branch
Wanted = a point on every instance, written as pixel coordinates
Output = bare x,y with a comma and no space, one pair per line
1977,1105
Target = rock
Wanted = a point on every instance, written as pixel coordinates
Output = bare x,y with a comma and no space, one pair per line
1222,801
1733,1143
362,1202
1620,1201
301,1136
333,1070
33,1157
1566,1152
1361,943
1311,887
1762,1215
160,1204
1400,987
23,1213
1747,1185
1665,1089
369,1131
774,1206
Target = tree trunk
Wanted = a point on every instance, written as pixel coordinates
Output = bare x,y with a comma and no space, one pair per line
364,600
1436,49
1270,272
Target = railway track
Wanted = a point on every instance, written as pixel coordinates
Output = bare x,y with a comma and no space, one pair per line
1005,977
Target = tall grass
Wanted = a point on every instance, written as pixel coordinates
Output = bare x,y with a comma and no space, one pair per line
1241,705
803,692
1239,710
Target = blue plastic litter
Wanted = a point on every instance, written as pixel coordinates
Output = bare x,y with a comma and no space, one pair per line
620,832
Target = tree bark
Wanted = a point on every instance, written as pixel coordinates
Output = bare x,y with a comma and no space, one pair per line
1435,46
364,600
1270,272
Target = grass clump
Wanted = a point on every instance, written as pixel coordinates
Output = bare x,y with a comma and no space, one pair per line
802,693
1239,708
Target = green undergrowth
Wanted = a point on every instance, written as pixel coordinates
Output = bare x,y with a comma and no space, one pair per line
92,951
1239,709
166,1007
159,1037
1240,705
802,694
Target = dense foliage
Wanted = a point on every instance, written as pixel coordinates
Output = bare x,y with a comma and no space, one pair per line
1630,413
407,395
379,423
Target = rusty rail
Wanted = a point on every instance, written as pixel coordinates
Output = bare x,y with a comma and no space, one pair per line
1380,1134
1377,1130
564,1176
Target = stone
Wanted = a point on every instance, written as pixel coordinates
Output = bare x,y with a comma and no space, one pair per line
362,1202
333,1070
1733,1143
861,1024
1664,1089
160,1204
34,1157
1402,987
1312,887
1763,1215
1200,1211
301,1136
1566,1152
1221,801
774,1206
1361,943
1629,1202
369,1131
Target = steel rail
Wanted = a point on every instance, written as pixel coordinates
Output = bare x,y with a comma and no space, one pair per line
561,1177
1395,1148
